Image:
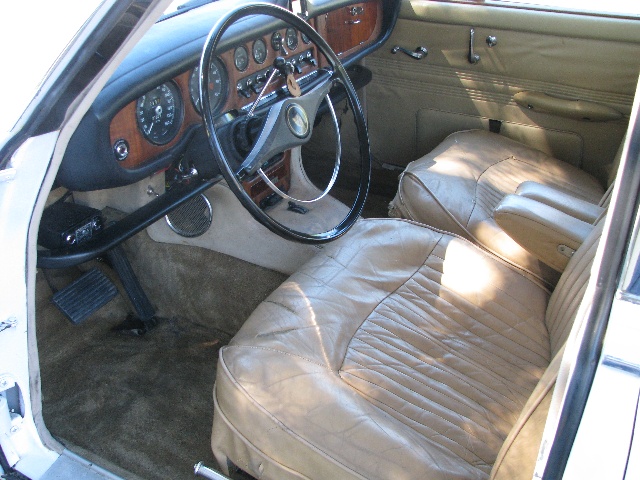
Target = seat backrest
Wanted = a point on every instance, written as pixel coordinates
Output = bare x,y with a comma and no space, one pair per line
517,457
566,298
613,168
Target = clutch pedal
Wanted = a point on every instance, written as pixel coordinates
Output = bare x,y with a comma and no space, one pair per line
80,299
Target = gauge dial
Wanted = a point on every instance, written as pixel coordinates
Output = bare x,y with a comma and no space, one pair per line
159,113
291,38
305,39
259,51
241,58
276,41
217,86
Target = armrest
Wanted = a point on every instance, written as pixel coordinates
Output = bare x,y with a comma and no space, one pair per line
563,201
547,233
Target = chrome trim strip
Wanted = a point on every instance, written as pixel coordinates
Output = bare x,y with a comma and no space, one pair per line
620,364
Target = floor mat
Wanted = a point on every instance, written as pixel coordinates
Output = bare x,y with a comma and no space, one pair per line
145,403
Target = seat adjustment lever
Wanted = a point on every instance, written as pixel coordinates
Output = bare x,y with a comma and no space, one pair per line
418,53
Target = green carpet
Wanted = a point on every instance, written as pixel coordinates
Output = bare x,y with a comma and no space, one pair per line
145,403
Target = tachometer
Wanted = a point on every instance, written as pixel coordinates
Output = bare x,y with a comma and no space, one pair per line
159,113
217,86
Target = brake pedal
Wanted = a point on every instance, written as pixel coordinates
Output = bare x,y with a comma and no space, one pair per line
86,295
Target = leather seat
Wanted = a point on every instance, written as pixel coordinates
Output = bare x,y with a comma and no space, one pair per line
458,185
397,352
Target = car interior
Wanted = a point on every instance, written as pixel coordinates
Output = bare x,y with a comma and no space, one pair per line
328,239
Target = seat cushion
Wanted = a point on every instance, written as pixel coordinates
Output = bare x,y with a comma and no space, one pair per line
457,186
397,352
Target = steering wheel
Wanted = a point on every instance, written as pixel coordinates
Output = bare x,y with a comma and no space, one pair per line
286,123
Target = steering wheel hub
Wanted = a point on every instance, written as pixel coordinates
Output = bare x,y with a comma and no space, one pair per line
297,120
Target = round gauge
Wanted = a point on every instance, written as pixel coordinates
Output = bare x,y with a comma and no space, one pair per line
276,41
159,113
291,38
305,39
241,58
217,86
259,51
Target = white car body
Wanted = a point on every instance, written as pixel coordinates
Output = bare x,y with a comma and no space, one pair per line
608,431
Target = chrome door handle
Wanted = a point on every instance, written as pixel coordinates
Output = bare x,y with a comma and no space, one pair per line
419,52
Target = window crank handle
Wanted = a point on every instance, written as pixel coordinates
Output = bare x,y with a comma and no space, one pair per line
473,57
418,53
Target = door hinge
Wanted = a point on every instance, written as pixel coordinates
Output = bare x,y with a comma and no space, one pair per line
10,322
10,421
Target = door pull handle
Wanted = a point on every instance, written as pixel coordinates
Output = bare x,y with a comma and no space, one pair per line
418,53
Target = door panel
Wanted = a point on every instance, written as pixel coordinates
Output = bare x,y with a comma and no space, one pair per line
415,104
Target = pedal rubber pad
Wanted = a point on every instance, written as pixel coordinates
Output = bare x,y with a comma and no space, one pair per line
80,299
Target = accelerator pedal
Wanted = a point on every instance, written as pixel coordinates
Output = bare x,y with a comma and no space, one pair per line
79,300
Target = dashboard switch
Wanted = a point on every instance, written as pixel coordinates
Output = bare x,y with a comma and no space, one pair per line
242,91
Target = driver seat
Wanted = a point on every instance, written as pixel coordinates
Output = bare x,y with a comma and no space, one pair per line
401,352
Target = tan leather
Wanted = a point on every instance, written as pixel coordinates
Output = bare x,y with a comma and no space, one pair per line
457,186
541,230
518,455
397,352
560,200
566,298
613,168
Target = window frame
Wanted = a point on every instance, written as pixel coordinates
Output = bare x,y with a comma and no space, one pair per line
511,4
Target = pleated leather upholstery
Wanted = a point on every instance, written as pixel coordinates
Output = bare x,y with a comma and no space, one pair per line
457,186
566,298
397,352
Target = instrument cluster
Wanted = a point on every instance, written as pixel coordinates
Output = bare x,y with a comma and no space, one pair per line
160,114
251,75
132,135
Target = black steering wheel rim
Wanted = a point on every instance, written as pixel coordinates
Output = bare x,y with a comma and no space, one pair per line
228,173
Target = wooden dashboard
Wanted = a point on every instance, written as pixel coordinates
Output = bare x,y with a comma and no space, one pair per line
346,29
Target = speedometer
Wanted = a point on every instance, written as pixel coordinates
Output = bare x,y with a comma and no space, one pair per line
217,86
159,113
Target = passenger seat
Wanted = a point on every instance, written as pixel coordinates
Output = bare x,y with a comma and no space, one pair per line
459,185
